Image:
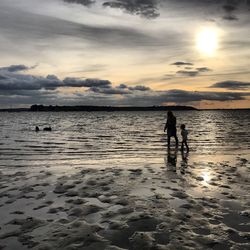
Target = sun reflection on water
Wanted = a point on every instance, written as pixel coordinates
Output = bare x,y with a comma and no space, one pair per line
206,177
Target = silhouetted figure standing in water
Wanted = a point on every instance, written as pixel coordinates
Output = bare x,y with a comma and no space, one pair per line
37,129
184,135
171,128
47,129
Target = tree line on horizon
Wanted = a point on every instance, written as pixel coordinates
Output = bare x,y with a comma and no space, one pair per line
106,108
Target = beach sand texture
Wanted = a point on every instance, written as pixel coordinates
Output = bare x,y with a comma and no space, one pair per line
198,206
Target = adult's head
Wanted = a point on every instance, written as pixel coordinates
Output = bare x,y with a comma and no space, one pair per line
170,114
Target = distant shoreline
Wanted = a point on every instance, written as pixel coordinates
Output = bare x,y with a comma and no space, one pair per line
42,108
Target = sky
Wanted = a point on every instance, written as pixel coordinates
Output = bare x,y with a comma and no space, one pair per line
125,53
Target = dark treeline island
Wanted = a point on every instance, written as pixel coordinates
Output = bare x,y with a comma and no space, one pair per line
42,108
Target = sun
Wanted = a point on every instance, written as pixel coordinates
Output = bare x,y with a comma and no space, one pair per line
207,41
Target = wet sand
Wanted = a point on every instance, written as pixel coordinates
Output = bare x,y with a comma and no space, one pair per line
197,205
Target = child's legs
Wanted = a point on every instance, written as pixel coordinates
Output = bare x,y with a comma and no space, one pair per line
182,145
186,145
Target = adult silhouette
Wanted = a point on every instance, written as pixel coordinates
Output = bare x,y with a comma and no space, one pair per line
171,128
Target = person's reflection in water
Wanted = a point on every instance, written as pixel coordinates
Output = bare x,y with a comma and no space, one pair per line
172,160
184,162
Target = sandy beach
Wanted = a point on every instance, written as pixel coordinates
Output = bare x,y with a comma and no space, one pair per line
194,205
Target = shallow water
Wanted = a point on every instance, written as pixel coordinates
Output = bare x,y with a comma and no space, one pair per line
115,138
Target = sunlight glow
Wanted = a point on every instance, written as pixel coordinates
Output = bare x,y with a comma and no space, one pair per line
206,177
207,41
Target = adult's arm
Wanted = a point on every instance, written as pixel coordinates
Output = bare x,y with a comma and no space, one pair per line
174,121
166,126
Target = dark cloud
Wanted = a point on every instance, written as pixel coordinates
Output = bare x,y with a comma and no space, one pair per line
144,8
229,10
30,29
110,91
136,88
182,63
232,85
181,96
150,8
234,8
122,86
230,18
193,73
122,89
29,89
88,83
139,88
189,73
203,69
15,68
132,99
82,2
11,82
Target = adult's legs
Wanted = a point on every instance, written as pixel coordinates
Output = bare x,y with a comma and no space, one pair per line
176,141
169,141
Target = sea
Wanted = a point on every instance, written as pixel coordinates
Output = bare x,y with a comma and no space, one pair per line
97,139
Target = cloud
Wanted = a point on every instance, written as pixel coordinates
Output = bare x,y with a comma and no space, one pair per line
30,89
139,88
193,73
12,83
122,89
188,73
203,69
230,18
33,29
110,91
87,83
136,88
15,68
230,9
179,97
122,86
82,2
182,96
144,8
232,85
15,83
182,63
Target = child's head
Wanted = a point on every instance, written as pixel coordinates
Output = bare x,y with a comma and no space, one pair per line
183,126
